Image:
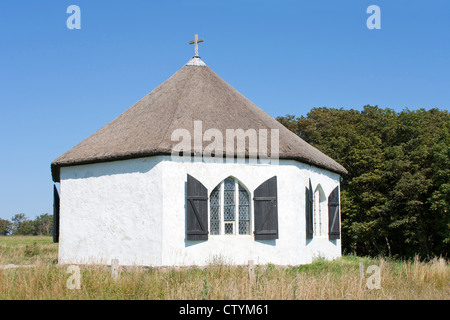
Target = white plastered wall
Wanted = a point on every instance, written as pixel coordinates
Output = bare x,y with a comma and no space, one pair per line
135,211
291,248
111,210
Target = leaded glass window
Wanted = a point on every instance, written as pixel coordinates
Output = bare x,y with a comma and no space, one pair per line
214,205
230,209
244,214
229,195
229,227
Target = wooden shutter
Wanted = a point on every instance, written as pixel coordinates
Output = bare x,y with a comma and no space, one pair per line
309,211
55,215
333,215
266,210
196,210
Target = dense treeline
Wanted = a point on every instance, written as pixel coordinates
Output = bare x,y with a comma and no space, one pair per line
395,197
21,225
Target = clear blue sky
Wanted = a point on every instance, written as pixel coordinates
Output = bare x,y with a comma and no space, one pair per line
58,86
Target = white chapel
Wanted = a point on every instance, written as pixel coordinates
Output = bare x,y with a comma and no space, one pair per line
161,186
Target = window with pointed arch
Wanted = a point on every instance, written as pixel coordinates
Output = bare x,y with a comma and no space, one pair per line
320,217
229,209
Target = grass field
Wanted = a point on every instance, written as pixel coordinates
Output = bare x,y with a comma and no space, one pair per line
338,279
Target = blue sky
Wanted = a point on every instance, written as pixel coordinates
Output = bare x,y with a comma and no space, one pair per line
58,86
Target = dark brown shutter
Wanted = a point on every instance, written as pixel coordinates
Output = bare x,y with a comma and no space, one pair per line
196,210
55,215
266,210
333,215
309,211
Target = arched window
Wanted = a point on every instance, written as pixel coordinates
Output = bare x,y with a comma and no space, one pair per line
229,209
320,212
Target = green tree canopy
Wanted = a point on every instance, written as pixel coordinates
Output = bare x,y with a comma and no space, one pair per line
5,227
41,225
44,224
21,225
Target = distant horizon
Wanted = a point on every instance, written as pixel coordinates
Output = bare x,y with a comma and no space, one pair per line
59,85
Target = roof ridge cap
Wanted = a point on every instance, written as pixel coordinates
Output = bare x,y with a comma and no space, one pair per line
196,61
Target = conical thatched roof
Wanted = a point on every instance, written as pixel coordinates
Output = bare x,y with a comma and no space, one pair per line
193,93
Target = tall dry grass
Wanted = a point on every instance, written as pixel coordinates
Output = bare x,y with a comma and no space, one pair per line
338,279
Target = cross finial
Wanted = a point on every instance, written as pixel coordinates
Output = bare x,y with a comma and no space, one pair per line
196,41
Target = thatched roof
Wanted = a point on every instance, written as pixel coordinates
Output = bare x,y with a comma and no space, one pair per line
193,93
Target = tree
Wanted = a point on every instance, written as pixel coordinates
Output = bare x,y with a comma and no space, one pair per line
5,227
21,225
44,224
